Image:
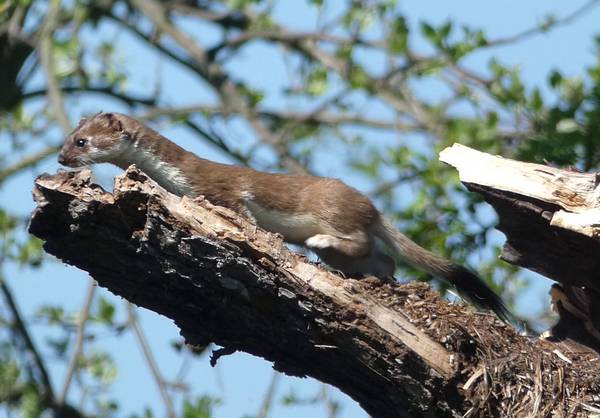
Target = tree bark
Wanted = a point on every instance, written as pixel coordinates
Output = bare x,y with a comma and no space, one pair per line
398,350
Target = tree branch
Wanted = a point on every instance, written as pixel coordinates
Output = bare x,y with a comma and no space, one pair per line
544,27
267,401
105,90
84,314
21,328
230,19
45,48
320,116
29,161
152,365
396,349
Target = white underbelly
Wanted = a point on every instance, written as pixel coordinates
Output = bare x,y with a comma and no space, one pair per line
295,228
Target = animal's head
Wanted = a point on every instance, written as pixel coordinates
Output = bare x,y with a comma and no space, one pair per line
102,138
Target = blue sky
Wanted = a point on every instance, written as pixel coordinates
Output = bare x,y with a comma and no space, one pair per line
240,380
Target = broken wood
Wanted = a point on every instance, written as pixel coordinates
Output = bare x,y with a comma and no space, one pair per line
398,350
551,219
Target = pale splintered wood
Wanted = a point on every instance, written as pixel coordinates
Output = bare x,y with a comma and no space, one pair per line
395,324
577,194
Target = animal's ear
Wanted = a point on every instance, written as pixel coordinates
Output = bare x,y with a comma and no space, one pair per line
81,122
113,122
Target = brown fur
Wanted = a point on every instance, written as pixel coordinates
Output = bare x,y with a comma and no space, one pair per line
332,219
223,184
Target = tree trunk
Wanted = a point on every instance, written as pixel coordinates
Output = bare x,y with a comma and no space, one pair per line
398,350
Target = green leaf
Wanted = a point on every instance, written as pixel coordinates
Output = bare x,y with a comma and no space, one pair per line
105,311
59,345
101,366
430,67
317,81
9,375
31,405
359,79
202,408
398,36
536,100
429,32
7,222
30,252
445,29
555,78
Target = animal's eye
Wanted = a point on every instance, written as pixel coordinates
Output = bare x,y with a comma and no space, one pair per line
80,142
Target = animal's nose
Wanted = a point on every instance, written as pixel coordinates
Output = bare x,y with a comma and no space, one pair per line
61,159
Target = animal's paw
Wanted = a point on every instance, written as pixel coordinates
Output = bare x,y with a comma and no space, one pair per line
319,241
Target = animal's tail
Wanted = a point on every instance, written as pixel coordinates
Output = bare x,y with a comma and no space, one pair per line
467,283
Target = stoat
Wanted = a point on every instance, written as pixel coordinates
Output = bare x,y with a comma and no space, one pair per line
335,221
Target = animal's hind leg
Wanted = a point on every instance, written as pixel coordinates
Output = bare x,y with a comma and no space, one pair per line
373,264
352,255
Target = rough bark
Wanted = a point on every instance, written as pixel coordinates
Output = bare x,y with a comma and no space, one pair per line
399,350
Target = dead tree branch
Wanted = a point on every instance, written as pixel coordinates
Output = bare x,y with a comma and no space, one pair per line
551,218
396,349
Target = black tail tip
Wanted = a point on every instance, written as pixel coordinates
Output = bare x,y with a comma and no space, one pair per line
475,290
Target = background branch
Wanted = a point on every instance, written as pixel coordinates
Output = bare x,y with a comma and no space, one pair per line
82,319
47,59
149,357
549,24
267,401
27,162
21,329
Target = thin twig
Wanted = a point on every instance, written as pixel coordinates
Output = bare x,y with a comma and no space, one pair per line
289,37
330,404
82,320
150,39
15,23
314,116
106,90
152,365
387,186
229,19
27,162
29,344
217,141
157,14
184,368
265,406
536,30
47,61
306,43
